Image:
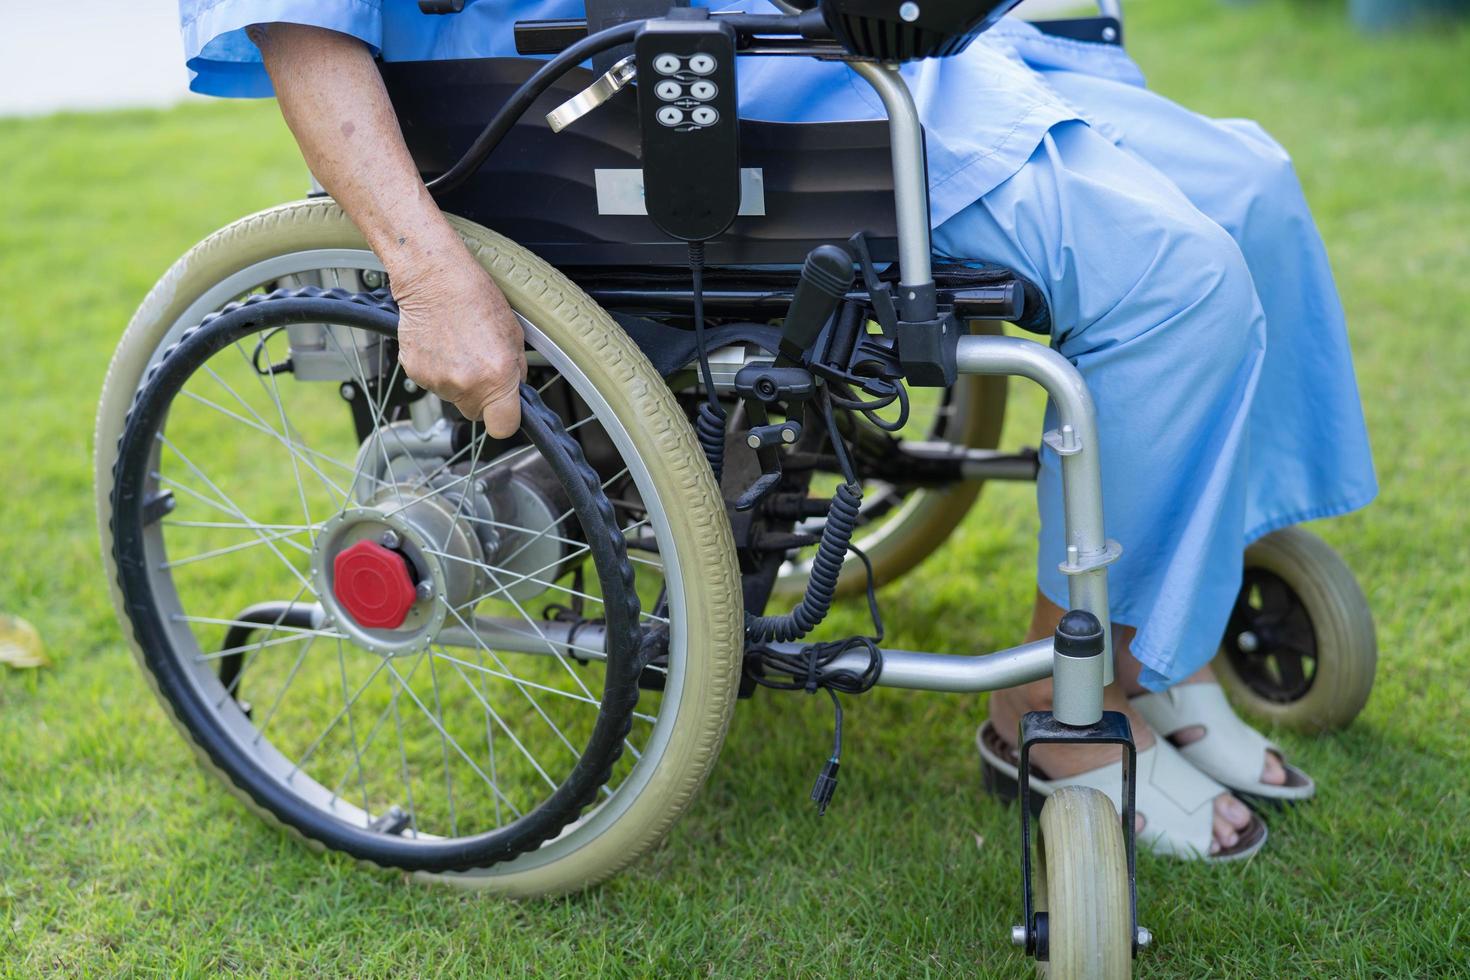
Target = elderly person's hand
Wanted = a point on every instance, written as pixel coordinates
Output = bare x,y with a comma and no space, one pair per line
458,337
457,334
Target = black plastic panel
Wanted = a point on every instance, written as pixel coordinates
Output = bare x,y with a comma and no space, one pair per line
538,188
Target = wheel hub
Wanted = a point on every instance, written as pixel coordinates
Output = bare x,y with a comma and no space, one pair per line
389,573
373,584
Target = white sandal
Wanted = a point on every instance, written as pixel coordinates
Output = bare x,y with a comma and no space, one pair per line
1176,800
1229,751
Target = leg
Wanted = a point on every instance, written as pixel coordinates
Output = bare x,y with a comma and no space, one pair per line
1153,303
1307,429
1007,707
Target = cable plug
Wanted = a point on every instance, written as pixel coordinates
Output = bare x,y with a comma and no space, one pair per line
825,786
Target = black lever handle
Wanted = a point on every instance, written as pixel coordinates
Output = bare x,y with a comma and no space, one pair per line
826,277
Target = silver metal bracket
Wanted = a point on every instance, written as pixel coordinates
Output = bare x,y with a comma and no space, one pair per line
1063,440
610,83
1077,564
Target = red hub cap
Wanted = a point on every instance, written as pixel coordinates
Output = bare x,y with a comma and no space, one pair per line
373,584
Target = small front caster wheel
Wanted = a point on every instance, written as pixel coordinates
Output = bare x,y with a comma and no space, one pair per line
1300,648
1081,884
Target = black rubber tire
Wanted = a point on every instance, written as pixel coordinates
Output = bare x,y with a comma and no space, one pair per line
589,503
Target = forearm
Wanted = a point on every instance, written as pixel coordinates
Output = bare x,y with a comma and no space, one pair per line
334,101
457,334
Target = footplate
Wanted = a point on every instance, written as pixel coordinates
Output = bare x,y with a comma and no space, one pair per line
1040,727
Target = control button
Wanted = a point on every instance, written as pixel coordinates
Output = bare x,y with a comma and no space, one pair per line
705,116
669,90
701,64
670,116
667,64
703,90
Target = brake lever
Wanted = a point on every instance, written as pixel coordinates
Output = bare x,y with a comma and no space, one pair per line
610,83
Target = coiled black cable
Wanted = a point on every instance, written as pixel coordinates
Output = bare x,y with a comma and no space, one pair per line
709,428
709,423
842,520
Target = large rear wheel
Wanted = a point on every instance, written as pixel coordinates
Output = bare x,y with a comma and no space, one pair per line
382,630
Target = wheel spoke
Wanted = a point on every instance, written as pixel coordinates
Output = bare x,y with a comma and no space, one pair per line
535,705
234,508
456,746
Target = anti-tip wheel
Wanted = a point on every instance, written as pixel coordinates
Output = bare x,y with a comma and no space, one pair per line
1300,648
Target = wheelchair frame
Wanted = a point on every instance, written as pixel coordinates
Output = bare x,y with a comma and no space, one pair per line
1078,680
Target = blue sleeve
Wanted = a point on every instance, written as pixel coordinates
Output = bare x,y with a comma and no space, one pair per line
223,61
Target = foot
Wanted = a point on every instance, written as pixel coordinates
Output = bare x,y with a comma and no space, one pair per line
1231,816
1273,770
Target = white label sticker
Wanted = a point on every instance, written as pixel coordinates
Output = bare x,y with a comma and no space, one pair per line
621,191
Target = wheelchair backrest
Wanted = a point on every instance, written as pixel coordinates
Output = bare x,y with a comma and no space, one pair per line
575,197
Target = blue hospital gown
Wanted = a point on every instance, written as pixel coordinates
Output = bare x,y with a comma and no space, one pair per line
1185,276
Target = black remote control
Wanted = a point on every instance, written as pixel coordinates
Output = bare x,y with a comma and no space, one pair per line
691,130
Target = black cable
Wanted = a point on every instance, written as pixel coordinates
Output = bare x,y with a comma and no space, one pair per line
847,400
534,87
522,99
709,423
807,671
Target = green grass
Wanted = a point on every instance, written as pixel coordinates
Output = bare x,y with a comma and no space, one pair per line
118,856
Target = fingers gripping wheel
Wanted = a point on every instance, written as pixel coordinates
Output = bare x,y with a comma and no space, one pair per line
372,582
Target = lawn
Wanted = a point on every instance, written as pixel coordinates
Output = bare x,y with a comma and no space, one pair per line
117,856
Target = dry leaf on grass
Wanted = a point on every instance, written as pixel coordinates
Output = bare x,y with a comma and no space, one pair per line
20,644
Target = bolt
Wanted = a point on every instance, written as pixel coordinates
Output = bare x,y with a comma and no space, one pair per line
372,278
1144,937
788,433
1018,935
409,386
389,539
347,391
753,441
1110,34
909,11
1248,642
482,487
424,590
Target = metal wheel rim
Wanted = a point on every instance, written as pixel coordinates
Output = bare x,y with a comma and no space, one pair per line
1273,647
597,819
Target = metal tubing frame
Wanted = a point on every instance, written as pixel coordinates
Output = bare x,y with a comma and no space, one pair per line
910,172
947,672
1089,552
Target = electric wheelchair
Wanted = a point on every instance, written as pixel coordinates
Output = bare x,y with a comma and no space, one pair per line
510,664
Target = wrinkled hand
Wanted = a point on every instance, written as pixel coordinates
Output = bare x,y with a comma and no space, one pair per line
458,338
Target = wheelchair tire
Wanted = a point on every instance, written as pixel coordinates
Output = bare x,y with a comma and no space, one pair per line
1300,649
1081,883
925,518
692,530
